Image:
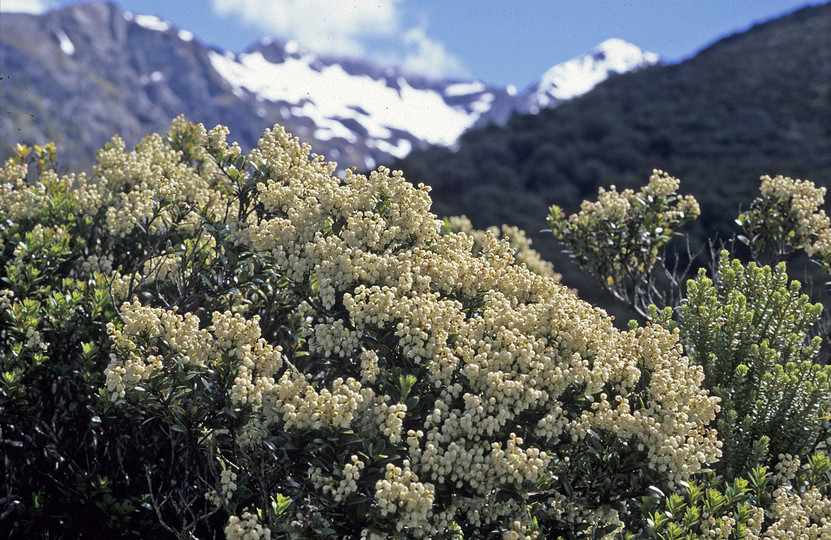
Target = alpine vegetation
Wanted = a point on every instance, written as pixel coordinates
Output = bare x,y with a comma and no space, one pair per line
198,340
760,339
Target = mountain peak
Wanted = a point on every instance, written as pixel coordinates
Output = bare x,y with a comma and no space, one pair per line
144,71
580,74
619,48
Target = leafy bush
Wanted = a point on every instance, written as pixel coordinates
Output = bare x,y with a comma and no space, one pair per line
749,331
758,339
792,503
198,341
787,217
64,450
250,341
618,239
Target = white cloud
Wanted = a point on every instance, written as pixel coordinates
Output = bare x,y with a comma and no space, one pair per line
322,25
427,56
25,6
363,28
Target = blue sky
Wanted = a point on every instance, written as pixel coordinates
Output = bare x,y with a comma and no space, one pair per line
498,41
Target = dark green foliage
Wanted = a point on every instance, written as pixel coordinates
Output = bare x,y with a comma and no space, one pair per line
737,505
61,456
72,461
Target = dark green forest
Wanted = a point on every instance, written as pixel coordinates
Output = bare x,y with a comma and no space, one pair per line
754,103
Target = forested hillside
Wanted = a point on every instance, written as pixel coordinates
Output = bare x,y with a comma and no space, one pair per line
754,103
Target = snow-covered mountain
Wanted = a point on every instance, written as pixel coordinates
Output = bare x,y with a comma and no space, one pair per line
80,74
577,76
356,102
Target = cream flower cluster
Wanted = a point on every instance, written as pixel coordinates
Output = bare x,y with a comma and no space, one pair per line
517,532
805,200
722,527
344,484
97,263
369,367
246,528
215,139
380,307
451,454
162,267
610,205
257,360
513,464
786,469
308,204
6,298
480,511
668,427
661,184
297,405
806,516
391,420
686,207
134,186
230,334
331,338
18,199
130,364
120,284
820,248
523,252
228,482
402,495
34,340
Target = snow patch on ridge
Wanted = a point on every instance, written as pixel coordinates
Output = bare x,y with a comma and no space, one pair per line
577,76
66,44
151,22
464,88
328,95
401,148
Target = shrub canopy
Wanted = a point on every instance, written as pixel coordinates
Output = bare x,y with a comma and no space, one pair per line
195,339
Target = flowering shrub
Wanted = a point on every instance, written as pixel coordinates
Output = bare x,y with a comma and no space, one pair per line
195,340
787,217
618,239
516,238
760,342
292,354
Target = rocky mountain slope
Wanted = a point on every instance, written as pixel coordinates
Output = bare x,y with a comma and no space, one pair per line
77,75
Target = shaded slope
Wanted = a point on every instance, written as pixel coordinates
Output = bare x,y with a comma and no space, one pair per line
754,103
